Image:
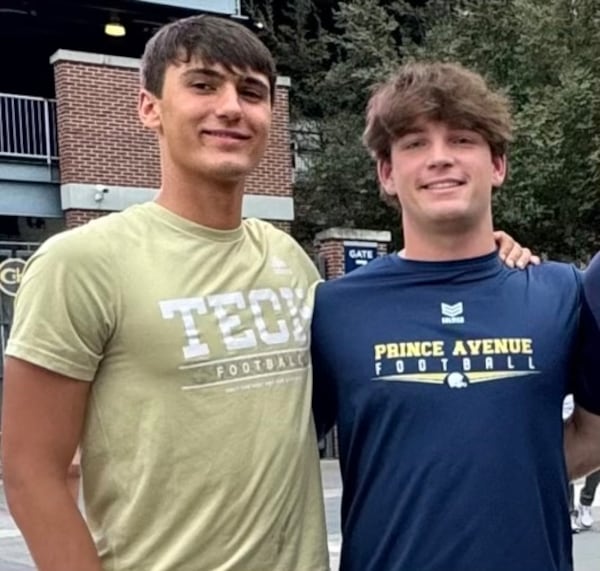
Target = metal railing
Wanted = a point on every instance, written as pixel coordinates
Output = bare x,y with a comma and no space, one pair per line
28,127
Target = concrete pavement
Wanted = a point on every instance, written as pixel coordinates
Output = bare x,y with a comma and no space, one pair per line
14,555
332,491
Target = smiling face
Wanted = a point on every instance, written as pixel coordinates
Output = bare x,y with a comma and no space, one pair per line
442,176
213,122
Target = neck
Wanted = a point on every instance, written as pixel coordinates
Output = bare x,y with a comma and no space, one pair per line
444,243
205,201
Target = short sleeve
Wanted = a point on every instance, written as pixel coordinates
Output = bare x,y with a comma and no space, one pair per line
65,306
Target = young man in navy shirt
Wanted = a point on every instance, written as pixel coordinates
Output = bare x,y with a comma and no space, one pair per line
445,370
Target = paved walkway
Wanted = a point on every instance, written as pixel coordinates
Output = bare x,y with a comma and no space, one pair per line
14,555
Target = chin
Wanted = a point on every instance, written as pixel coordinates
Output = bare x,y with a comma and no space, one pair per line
231,171
452,218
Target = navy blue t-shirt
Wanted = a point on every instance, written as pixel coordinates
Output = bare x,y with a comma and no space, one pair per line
446,381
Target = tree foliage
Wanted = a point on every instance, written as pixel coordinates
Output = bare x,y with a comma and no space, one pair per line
544,53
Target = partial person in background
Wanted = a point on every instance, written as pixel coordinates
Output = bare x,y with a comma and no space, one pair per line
585,516
567,411
589,367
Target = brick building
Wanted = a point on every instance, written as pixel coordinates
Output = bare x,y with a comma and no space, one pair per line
108,161
71,145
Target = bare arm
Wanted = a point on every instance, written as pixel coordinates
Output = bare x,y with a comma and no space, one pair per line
582,443
42,419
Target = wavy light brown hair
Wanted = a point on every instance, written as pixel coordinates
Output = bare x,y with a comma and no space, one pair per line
437,91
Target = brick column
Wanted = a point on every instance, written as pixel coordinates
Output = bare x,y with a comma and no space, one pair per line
108,161
274,173
102,144
363,245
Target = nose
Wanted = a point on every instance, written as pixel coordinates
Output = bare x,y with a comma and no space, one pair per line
228,103
440,155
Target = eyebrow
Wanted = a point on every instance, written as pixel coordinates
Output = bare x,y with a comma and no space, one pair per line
212,73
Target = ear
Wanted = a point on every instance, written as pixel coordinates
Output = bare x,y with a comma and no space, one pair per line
384,173
499,170
149,110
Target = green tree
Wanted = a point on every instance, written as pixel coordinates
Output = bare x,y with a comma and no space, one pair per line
297,39
339,188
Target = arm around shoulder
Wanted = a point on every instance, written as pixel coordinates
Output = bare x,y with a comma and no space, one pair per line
42,418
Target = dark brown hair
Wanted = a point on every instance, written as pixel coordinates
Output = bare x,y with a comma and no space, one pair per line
213,39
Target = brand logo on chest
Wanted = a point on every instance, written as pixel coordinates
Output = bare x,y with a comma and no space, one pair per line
452,313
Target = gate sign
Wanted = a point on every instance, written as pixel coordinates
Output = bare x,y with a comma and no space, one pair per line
357,254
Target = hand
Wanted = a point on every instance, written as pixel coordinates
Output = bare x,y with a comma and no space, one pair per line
512,253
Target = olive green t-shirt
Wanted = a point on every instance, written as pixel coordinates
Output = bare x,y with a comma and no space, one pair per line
199,451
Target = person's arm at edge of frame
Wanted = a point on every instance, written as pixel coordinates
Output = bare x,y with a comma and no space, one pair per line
42,419
582,429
